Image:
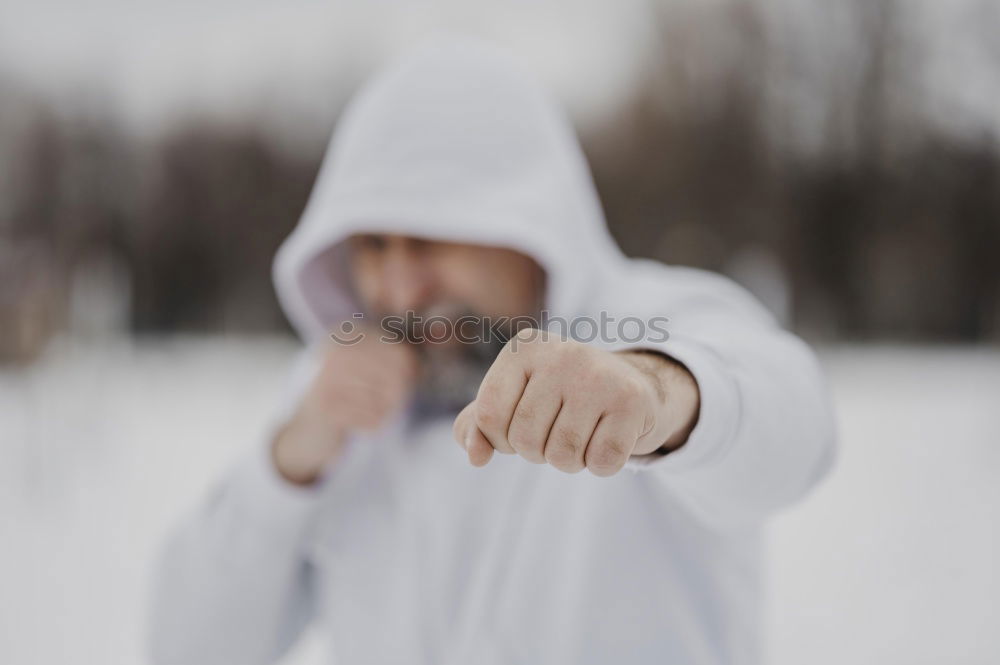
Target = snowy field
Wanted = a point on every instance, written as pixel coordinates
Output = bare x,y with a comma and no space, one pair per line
894,560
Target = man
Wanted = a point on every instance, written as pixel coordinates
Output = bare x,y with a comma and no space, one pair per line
455,193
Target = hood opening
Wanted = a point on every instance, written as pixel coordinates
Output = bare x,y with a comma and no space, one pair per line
452,143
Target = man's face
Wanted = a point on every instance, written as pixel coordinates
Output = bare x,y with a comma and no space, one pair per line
395,275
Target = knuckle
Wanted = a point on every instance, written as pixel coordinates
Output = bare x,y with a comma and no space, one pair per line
522,341
632,387
488,410
488,417
529,449
524,414
562,451
527,334
557,455
607,457
566,463
568,439
628,394
571,352
526,444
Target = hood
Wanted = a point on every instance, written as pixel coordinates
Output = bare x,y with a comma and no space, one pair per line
453,143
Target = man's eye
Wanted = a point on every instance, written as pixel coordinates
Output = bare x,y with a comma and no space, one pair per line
370,243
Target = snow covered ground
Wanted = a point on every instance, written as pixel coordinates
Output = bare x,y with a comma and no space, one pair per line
893,560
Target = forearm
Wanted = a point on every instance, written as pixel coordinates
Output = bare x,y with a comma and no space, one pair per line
231,581
764,432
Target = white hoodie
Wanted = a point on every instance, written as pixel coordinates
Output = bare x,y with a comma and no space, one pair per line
407,554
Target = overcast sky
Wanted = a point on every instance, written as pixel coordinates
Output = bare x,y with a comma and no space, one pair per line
148,60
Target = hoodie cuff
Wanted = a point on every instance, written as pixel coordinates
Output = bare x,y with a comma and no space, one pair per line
718,417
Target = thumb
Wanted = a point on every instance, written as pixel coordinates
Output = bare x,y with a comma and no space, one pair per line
468,436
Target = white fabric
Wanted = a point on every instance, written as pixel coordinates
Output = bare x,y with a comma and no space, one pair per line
405,553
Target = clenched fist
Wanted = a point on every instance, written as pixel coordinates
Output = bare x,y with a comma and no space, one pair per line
574,406
358,387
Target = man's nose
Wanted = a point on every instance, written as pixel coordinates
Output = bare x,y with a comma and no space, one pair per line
406,281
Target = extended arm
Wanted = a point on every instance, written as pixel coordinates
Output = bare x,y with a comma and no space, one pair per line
730,410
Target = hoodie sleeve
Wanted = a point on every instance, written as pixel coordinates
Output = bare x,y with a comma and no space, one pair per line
765,433
231,584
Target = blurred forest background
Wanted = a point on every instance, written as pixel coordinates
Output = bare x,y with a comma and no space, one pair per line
840,159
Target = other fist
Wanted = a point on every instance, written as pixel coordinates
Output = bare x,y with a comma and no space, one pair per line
358,387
